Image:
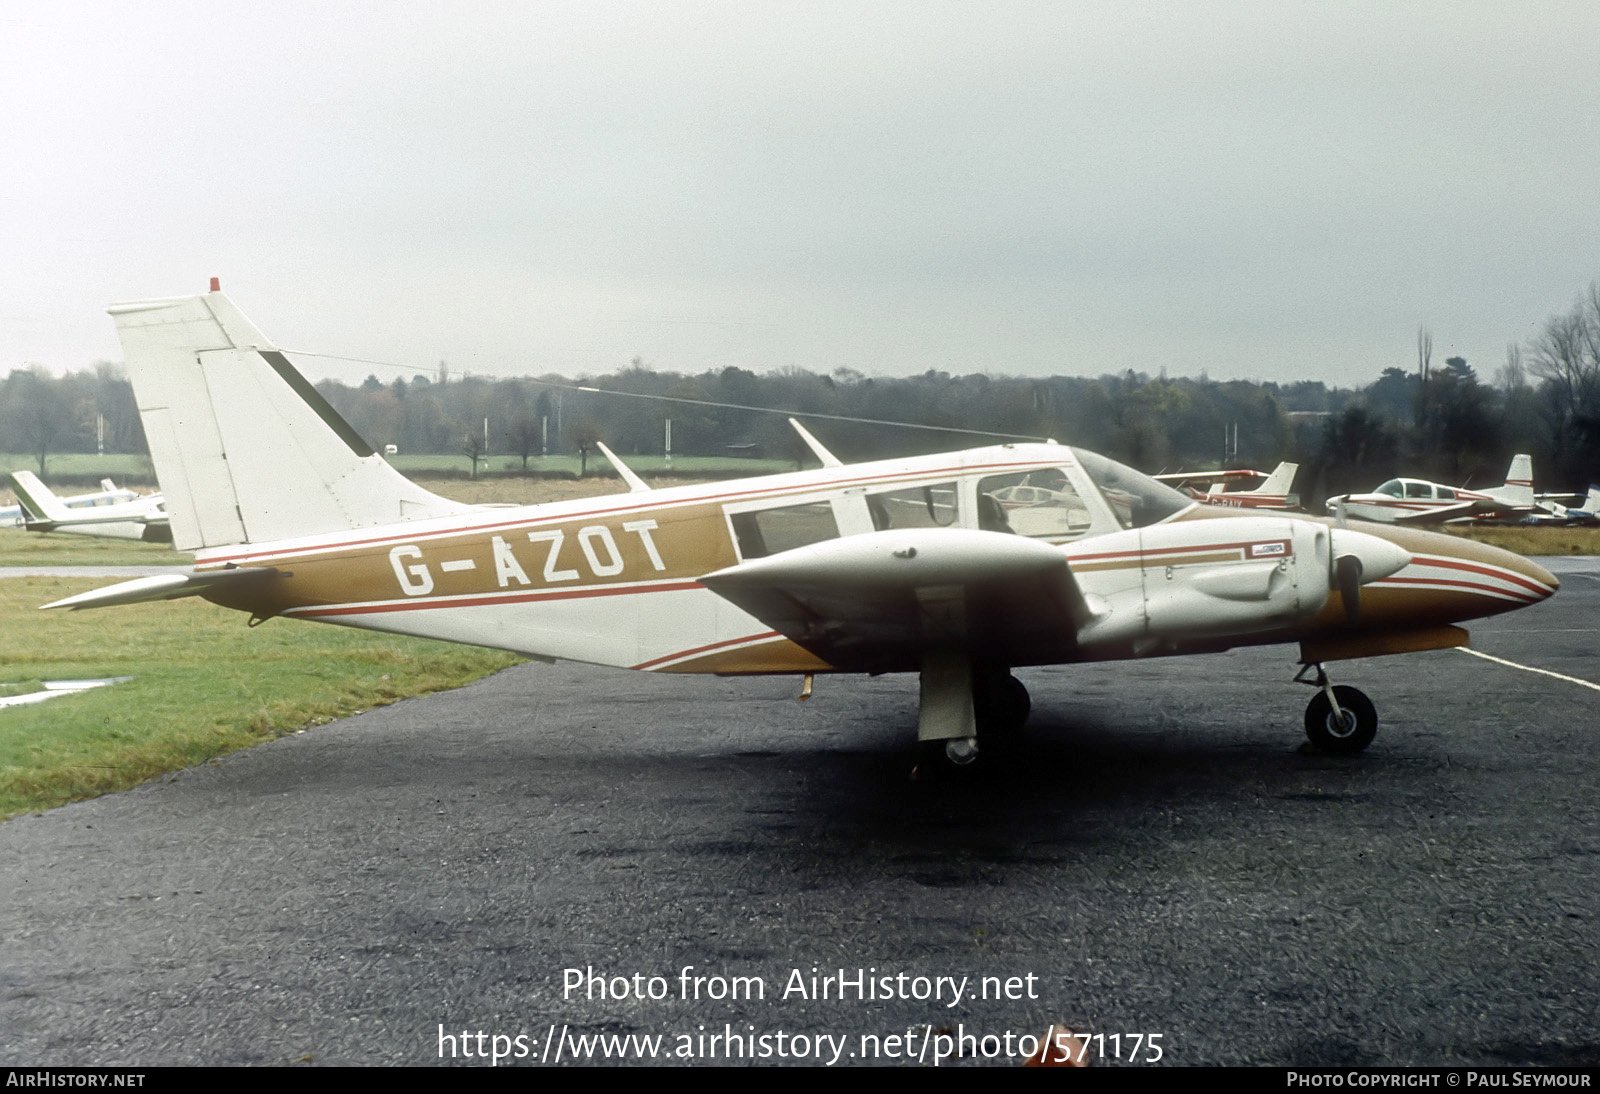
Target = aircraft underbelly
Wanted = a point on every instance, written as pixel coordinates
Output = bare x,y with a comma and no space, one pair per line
111,530
665,629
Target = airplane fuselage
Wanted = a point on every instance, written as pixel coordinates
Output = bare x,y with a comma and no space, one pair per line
1417,500
615,580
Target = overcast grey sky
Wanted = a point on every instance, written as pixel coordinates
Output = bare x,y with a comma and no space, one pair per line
1266,190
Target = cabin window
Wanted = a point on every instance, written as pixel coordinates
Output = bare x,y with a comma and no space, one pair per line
1446,492
1419,490
764,532
1033,503
1134,498
914,507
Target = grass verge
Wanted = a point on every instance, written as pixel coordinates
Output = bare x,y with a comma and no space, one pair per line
203,685
1531,540
22,548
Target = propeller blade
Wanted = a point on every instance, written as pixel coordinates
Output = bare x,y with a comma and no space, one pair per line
1347,576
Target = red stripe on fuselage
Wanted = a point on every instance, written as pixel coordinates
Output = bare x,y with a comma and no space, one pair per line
635,507
707,649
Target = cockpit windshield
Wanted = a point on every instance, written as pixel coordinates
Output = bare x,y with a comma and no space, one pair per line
1392,488
1137,500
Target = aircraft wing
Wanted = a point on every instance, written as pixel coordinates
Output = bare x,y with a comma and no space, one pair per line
1466,510
879,601
1180,478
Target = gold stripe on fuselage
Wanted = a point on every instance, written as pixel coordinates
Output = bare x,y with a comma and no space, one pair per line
585,554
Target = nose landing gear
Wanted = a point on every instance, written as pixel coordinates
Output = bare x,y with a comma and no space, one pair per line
965,706
1340,720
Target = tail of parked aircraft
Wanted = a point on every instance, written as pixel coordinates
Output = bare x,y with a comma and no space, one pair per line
1279,482
38,501
1518,489
246,450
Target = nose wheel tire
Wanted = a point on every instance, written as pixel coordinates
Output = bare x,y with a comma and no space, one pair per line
1347,732
956,758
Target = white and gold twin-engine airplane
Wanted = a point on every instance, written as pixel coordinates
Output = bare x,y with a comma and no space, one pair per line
959,567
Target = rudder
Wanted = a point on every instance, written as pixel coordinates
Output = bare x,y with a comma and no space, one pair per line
38,501
246,450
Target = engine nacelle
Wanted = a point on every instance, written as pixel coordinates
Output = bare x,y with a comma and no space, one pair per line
1199,579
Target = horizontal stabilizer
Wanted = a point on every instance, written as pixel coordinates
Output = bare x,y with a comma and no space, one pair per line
163,587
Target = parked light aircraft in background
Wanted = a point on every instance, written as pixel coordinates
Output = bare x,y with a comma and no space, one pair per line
107,494
1272,491
142,517
1417,501
958,566
1551,511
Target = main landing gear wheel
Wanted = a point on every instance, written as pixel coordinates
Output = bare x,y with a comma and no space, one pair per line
1346,732
1000,703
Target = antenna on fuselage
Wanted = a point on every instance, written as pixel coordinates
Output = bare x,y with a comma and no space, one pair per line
828,458
635,483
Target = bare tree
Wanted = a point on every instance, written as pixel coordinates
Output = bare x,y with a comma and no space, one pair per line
526,436
473,449
1512,375
1565,358
1423,409
38,412
584,436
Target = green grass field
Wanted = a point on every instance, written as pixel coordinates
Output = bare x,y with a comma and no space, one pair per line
20,548
1532,541
83,466
203,685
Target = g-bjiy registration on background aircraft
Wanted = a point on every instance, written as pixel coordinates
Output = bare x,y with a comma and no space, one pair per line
958,566
1266,491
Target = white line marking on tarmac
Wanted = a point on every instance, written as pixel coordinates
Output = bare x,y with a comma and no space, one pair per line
1530,668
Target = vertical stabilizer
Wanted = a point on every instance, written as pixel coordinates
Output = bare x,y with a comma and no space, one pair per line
245,448
1279,482
38,501
1518,489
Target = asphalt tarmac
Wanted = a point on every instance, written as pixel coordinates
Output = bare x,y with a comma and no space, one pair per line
1160,862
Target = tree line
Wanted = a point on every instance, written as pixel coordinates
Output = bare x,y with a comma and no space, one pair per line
1434,420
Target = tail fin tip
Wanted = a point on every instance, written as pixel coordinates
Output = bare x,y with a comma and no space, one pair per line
246,449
